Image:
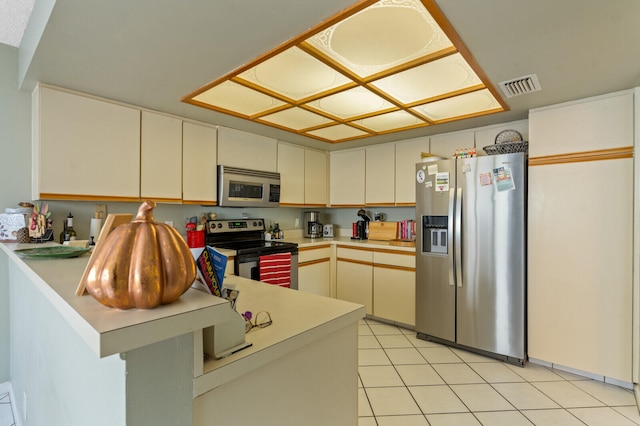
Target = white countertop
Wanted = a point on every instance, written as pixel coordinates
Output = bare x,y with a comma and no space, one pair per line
106,330
372,244
298,319
297,316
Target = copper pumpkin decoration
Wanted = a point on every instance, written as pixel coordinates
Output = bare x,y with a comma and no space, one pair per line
141,264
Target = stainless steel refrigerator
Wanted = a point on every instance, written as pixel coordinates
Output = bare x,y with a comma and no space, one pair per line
471,254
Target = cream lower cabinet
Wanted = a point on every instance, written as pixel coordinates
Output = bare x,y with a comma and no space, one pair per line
394,288
381,280
314,269
354,276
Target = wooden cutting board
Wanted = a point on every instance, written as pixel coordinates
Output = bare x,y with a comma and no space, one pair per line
384,231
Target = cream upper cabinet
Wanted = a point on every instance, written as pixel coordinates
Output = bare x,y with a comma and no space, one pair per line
315,178
199,164
291,166
445,145
407,155
380,175
84,148
588,125
347,178
161,157
247,150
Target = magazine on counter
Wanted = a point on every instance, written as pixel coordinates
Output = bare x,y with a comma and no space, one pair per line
212,264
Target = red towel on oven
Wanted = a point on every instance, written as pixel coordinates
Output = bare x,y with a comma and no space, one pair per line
276,269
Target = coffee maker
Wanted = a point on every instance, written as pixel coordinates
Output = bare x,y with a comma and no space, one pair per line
312,225
360,229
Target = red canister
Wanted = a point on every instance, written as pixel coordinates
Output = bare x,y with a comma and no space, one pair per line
195,239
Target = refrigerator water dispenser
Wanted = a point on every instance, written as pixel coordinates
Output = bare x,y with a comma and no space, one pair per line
438,241
435,236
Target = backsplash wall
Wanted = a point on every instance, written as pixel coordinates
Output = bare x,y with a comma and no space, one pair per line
286,217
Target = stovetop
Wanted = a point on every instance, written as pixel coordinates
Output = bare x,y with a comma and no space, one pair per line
245,245
243,236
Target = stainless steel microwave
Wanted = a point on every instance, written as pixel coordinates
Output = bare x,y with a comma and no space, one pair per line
247,188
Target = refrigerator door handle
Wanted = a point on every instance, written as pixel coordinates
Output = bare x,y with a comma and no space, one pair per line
450,228
458,237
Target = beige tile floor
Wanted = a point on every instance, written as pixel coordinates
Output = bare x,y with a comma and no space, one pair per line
404,381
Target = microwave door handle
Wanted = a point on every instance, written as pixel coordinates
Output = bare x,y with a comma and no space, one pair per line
458,237
450,228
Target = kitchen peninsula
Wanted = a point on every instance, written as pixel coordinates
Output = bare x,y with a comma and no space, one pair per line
76,362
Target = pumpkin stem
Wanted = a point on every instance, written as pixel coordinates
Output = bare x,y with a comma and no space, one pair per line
145,212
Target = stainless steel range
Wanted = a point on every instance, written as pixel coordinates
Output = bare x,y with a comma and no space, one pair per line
246,237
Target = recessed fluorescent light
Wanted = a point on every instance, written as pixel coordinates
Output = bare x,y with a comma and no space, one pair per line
378,67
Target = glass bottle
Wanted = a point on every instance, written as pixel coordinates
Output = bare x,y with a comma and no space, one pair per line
70,233
64,231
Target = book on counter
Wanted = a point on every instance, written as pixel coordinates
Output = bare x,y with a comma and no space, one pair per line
212,264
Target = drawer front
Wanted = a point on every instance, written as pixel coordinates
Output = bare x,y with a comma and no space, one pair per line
308,254
355,254
381,258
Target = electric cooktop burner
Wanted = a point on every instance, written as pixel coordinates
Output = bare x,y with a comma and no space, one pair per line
244,236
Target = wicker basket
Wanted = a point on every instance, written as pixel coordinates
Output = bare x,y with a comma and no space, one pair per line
506,148
507,142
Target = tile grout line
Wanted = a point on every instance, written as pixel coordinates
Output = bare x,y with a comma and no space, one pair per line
469,364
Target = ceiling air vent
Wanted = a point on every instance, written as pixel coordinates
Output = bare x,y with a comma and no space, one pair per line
520,86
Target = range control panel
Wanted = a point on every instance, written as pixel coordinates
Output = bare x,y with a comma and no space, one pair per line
219,226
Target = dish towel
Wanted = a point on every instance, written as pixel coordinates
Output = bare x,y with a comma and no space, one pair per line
276,269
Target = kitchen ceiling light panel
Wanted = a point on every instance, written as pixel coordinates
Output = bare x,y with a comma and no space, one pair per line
446,75
391,121
353,75
386,34
481,101
338,133
294,74
296,119
351,103
237,98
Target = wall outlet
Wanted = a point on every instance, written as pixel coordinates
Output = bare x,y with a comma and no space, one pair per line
101,209
297,223
169,222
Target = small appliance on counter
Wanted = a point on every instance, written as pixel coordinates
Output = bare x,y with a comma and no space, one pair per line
312,226
327,231
360,229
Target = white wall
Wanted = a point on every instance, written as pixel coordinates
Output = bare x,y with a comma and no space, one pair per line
53,372
15,133
15,168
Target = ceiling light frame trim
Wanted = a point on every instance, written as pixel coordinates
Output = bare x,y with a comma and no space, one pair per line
366,82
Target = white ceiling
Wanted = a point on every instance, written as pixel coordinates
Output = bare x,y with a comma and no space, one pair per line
14,15
153,52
